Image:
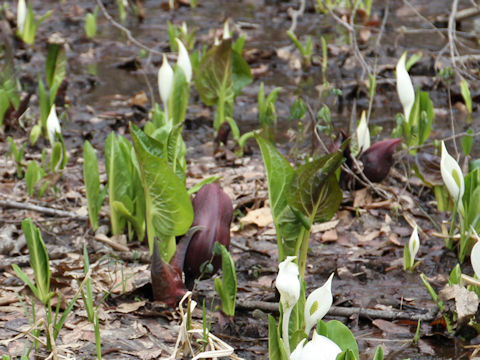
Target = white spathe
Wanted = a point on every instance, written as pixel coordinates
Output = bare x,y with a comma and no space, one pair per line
53,125
21,15
405,90
288,285
413,245
317,305
319,348
363,134
183,60
475,258
452,177
287,282
165,83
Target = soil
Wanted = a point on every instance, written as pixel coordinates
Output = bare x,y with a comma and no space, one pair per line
111,84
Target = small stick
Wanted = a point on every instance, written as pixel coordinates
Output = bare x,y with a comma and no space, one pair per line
41,209
347,312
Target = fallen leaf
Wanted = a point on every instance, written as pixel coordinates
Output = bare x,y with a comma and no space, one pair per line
260,217
390,327
126,308
466,302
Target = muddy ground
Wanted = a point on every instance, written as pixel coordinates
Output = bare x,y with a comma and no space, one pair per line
363,244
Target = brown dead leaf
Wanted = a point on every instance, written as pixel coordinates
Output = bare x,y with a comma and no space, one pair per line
260,217
466,302
390,327
139,99
330,235
126,308
324,226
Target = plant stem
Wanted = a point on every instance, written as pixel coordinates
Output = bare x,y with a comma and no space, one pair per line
285,334
220,114
302,257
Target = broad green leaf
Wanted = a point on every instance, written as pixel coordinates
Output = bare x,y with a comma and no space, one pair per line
38,259
214,77
241,75
178,101
118,176
279,174
342,336
176,151
314,189
91,178
169,211
227,287
276,348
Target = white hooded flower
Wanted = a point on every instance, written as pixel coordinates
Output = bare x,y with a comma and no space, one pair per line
413,245
287,282
21,15
183,61
53,125
288,286
452,176
165,83
226,31
405,90
317,305
475,258
319,348
363,134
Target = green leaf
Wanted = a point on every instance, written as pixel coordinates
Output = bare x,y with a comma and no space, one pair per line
276,348
214,77
4,105
176,151
137,222
44,103
279,175
116,163
455,275
169,211
55,65
33,175
88,299
347,355
38,259
26,280
314,190
378,353
35,133
467,142
227,287
342,336
178,101
412,60
91,23
91,178
200,184
466,95
241,74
